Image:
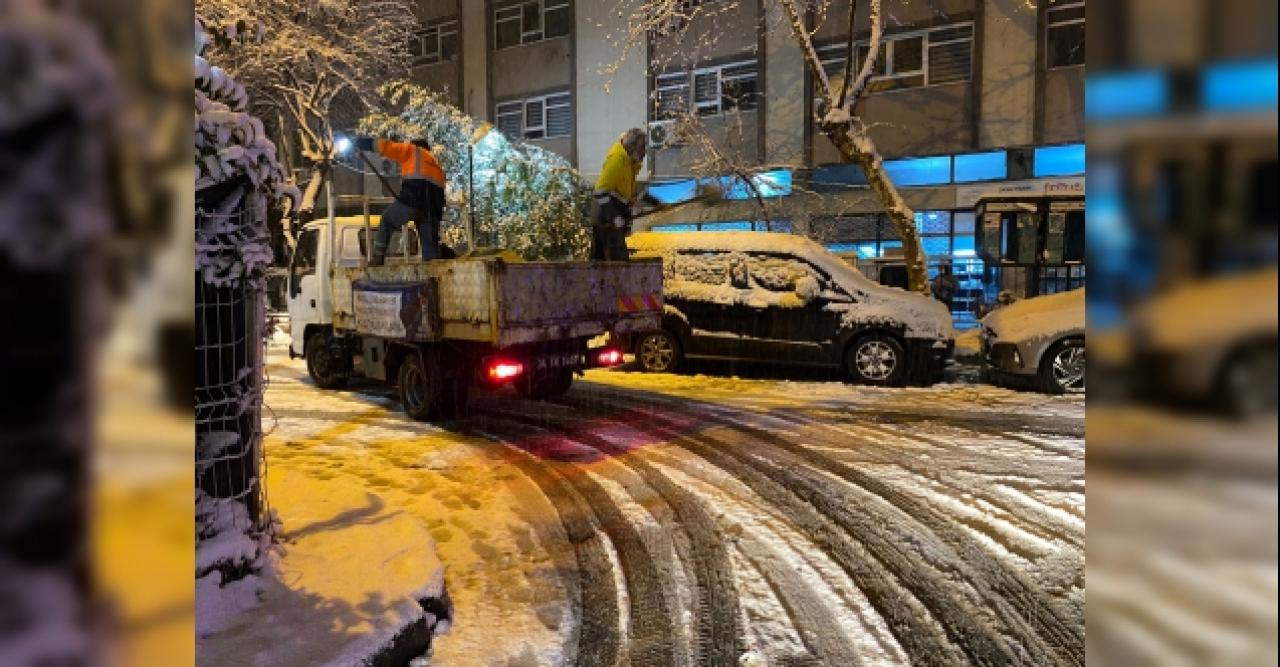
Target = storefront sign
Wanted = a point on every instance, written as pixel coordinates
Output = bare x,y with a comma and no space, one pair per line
968,195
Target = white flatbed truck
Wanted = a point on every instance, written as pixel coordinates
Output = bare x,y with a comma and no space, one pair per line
438,328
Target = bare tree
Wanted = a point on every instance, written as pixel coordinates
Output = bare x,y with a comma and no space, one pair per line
674,21
312,61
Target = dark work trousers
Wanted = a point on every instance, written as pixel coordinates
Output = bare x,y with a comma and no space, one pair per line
421,202
608,237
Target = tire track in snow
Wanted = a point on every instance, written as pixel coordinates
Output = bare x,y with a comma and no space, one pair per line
1020,611
650,637
1045,525
912,603
599,638
718,634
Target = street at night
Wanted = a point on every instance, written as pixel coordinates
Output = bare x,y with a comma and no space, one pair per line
692,519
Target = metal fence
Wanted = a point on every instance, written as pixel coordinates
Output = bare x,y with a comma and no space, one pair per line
230,329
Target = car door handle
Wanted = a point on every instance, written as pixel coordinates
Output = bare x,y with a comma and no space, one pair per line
313,303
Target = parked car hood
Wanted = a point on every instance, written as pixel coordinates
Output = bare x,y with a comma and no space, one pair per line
1039,317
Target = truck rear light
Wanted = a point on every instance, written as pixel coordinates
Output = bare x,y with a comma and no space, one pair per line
503,370
610,356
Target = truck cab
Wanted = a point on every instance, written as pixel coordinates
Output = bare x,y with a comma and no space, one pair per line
309,289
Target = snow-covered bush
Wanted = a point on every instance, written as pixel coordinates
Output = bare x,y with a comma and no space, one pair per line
58,115
526,199
233,244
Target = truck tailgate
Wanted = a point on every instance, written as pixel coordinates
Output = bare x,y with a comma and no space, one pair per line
497,302
548,300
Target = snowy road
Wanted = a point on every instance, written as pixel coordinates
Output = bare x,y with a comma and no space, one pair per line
681,520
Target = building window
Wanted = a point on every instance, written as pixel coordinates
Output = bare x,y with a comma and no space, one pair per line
1064,34
528,22
435,43
542,117
909,60
715,90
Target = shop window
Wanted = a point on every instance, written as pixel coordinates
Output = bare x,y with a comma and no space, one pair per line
1064,34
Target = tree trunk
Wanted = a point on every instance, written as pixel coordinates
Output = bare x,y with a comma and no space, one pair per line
319,171
856,147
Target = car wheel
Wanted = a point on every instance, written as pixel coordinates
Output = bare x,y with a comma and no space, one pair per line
1247,382
878,360
321,364
421,390
543,386
1062,368
658,352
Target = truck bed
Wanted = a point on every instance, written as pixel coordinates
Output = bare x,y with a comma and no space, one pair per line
501,303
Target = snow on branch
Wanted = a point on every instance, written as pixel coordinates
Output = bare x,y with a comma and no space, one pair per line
525,199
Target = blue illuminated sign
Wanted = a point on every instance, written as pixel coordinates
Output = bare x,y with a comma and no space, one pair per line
990,166
1242,86
1059,160
1126,95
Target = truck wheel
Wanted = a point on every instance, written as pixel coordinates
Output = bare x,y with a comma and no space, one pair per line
544,386
878,360
658,351
1062,368
421,389
321,364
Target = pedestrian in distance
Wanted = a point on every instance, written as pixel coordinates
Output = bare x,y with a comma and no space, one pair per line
421,196
945,285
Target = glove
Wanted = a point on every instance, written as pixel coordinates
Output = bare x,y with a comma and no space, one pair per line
365,143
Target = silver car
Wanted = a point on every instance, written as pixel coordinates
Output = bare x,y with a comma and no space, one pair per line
1037,342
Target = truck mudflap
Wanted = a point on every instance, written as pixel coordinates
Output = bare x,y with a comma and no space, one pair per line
405,311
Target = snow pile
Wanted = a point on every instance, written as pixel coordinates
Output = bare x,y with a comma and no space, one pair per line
1040,317
43,617
767,270
233,243
229,561
57,117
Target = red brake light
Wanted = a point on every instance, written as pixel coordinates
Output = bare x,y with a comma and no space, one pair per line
504,370
609,356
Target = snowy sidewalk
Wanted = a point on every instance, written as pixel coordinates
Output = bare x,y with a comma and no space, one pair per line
358,583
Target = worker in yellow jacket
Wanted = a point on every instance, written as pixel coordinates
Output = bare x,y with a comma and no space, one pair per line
615,193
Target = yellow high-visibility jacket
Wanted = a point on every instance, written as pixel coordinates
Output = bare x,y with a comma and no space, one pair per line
618,175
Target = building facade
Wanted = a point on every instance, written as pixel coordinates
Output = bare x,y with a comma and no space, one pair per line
968,96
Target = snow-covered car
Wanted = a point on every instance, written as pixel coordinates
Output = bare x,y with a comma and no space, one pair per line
1211,342
784,299
1038,341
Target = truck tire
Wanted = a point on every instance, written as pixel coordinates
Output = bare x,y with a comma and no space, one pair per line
321,365
544,386
421,389
658,351
878,360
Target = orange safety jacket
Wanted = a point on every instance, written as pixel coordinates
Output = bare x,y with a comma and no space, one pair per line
415,162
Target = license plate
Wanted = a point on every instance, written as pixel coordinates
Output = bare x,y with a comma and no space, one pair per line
559,361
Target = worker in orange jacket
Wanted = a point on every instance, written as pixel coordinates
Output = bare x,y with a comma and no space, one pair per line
421,197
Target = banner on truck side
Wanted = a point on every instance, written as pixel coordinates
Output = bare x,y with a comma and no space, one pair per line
379,313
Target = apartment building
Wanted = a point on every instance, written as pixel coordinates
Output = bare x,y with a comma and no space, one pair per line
954,77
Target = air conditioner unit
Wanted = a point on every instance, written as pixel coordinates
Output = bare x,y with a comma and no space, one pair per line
660,132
